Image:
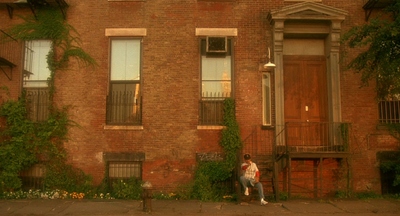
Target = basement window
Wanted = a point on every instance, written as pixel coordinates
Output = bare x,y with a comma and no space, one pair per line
121,170
32,178
124,166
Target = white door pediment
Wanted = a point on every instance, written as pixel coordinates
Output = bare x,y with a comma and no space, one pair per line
308,10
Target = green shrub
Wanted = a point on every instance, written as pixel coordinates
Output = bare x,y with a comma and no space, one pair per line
367,195
211,176
127,189
66,177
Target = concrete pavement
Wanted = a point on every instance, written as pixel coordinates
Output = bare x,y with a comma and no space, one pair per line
38,207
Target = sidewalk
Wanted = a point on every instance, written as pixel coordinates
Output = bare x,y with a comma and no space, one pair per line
37,207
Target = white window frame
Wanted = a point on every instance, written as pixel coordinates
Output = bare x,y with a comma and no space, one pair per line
35,65
266,99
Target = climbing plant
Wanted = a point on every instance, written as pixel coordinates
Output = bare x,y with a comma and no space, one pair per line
24,142
379,61
210,175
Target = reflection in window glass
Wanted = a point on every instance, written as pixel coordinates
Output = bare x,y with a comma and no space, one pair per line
124,98
216,76
125,59
216,83
266,98
36,63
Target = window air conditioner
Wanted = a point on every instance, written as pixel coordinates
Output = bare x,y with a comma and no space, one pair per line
216,44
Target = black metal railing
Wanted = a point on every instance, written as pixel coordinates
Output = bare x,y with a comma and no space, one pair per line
389,111
124,170
38,102
323,137
123,107
211,112
8,55
32,178
8,47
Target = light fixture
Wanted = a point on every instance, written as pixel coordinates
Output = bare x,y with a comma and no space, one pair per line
269,64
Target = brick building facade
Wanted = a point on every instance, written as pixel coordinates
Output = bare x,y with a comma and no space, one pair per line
173,116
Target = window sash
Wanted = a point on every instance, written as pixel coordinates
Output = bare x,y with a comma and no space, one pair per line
35,63
216,84
124,103
124,98
125,59
38,102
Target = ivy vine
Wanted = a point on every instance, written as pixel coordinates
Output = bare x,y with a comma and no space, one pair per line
24,142
211,175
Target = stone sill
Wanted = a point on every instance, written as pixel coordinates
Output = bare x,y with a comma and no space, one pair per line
210,127
123,127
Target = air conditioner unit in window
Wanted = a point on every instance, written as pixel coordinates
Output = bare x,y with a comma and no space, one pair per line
216,44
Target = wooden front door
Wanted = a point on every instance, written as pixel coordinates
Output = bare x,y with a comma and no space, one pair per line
305,98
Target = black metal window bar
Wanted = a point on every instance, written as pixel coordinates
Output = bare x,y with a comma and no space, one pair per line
37,103
389,111
32,178
211,108
123,170
124,106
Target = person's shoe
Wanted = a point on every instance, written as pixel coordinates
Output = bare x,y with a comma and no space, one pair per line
263,202
246,192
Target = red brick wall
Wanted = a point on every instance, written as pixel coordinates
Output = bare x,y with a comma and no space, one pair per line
170,138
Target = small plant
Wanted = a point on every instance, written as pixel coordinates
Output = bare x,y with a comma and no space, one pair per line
67,178
210,176
367,195
392,167
165,196
341,194
127,189
283,196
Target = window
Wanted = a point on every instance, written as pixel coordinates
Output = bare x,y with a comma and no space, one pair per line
36,73
124,97
123,166
389,110
33,177
266,98
124,170
216,83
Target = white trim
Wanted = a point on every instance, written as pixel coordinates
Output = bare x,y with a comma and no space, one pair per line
110,32
216,32
123,127
210,127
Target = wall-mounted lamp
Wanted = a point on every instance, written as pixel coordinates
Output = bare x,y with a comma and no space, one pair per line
269,64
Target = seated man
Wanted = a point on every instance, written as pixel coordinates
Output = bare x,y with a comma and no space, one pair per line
251,176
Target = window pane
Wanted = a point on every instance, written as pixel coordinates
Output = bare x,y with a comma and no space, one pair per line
216,68
266,94
124,105
216,84
37,103
36,62
125,59
216,89
216,76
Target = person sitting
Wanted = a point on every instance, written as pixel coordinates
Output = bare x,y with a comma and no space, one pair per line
251,177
